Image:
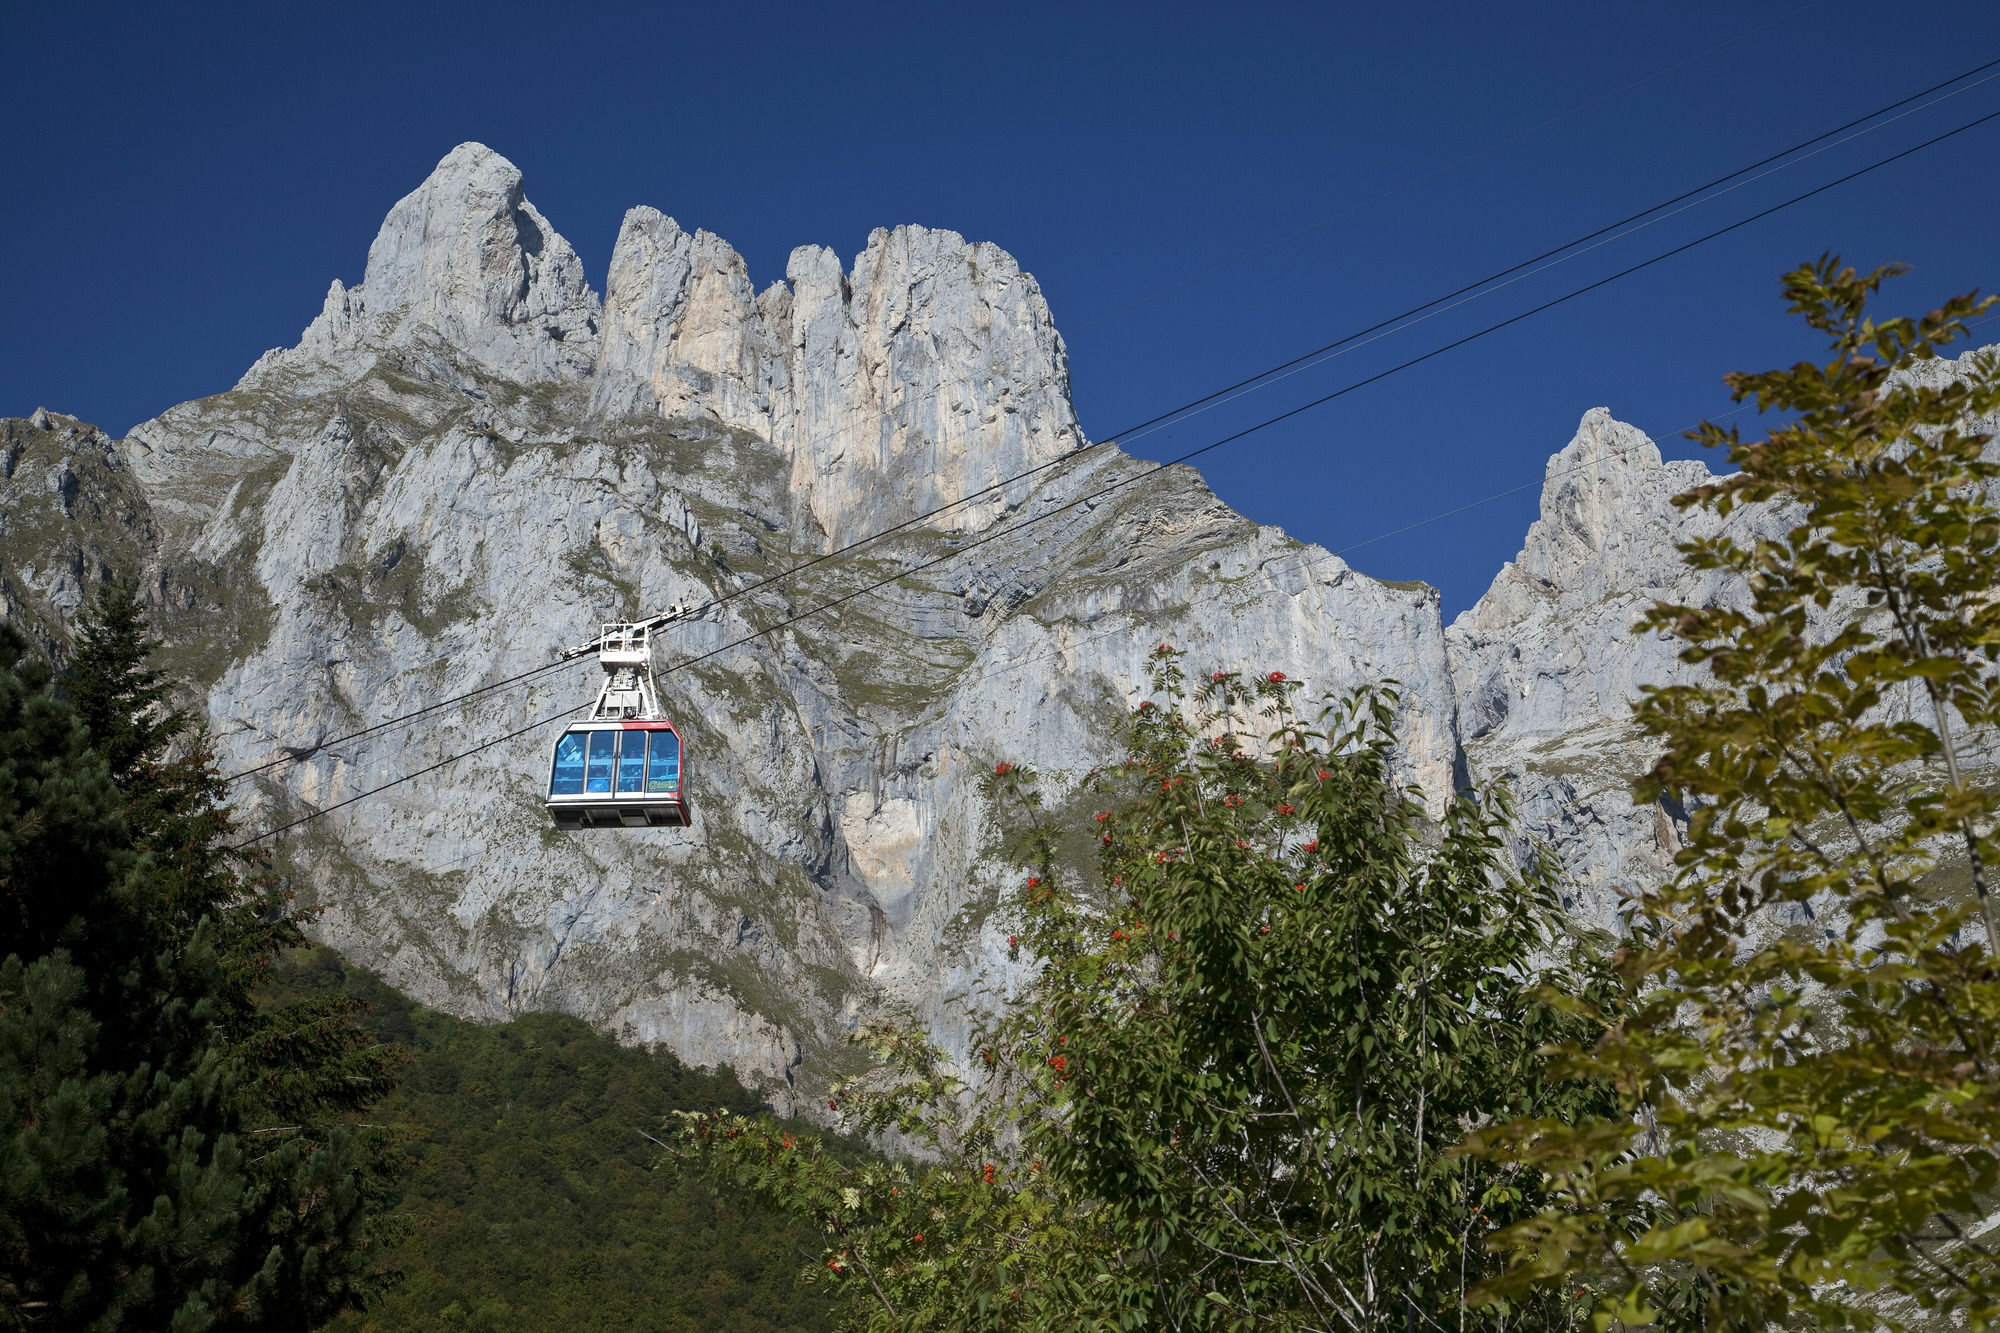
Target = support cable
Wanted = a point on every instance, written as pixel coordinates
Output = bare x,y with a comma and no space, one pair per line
1183,458
1227,393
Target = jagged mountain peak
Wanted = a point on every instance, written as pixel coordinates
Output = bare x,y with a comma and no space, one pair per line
465,259
467,253
929,371
1606,485
469,460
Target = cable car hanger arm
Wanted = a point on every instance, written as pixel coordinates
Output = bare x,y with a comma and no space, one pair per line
642,627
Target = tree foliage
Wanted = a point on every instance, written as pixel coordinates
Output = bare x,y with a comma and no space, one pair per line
531,1197
1227,1097
172,1155
1808,1126
124,702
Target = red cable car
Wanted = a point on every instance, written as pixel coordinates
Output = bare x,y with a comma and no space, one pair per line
624,767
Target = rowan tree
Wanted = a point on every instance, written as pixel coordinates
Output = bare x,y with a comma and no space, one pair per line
1254,1032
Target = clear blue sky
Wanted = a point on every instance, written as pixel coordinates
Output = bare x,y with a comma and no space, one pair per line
1202,191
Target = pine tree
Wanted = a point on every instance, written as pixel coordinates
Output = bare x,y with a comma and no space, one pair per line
121,1165
175,803
175,1155
123,700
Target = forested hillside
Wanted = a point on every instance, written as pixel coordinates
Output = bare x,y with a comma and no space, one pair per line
532,1200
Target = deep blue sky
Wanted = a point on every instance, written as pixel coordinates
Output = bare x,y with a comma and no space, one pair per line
1202,191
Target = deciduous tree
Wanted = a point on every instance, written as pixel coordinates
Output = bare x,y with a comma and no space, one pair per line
1228,1095
1808,1128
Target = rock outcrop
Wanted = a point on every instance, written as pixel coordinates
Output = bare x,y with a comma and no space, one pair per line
928,373
1545,667
467,259
469,460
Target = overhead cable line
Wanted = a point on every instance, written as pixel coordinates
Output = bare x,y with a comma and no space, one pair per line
1411,182
1512,269
1576,250
996,671
407,777
1146,427
1183,458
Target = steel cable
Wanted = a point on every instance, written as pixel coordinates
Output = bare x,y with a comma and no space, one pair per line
1183,458
1228,393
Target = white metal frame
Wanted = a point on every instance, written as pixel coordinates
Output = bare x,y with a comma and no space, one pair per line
624,649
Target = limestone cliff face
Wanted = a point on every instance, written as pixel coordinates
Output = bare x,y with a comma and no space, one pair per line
930,371
470,460
1545,667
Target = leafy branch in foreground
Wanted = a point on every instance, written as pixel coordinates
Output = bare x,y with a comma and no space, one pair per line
1809,1083
1228,1094
969,1237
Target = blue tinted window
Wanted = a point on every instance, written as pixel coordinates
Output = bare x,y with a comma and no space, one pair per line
632,762
663,771
566,778
602,745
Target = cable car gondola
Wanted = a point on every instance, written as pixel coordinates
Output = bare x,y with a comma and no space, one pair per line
625,767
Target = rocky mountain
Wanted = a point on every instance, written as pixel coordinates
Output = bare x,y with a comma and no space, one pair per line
472,458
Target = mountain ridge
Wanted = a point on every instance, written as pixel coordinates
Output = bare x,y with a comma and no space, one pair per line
471,458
